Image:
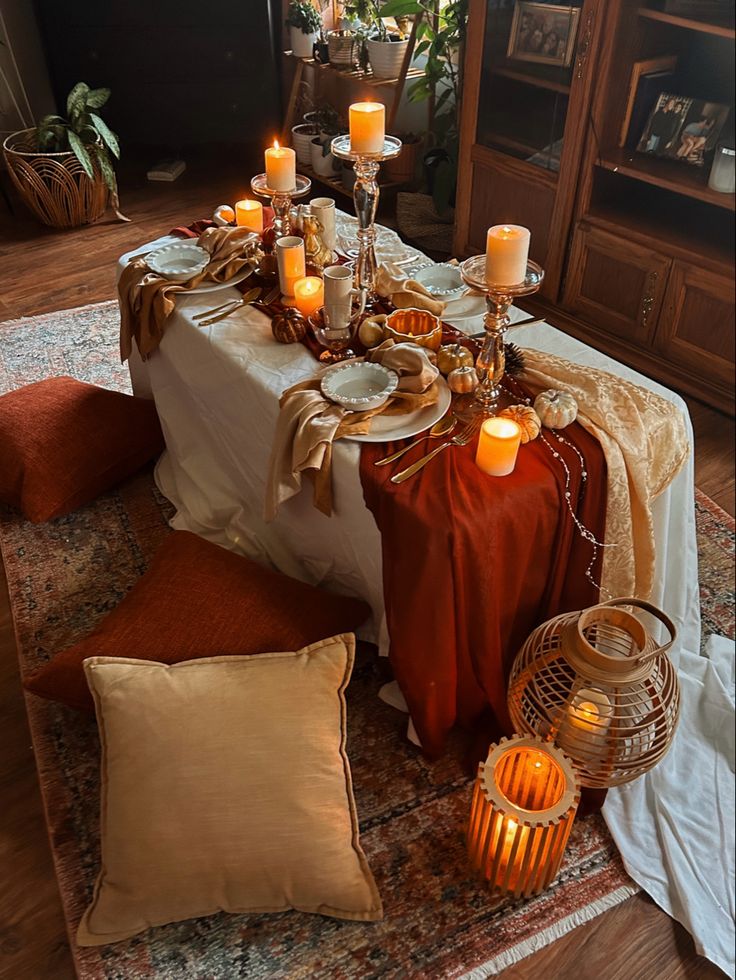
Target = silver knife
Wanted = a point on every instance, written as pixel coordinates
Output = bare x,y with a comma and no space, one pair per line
250,297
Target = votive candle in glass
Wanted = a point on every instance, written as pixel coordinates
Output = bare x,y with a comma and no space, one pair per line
309,294
280,167
584,728
367,127
498,445
291,262
249,214
507,253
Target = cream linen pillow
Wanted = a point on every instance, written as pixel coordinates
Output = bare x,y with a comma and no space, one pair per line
225,786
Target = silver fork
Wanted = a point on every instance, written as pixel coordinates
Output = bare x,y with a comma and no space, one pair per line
246,300
461,439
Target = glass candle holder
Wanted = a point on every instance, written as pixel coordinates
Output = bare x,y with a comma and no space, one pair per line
723,172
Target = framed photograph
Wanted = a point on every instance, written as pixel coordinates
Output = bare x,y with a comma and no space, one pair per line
684,129
544,33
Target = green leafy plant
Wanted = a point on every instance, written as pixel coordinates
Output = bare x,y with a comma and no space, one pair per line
327,120
304,16
440,37
370,13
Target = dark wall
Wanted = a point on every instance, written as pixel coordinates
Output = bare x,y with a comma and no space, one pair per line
182,72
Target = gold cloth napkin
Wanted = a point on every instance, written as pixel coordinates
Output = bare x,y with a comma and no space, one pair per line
644,440
147,299
309,423
405,293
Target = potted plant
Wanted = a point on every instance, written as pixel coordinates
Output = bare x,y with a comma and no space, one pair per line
385,49
305,25
63,168
403,168
323,162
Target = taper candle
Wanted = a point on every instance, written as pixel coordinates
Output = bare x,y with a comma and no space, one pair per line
309,294
280,167
249,214
498,445
507,253
367,127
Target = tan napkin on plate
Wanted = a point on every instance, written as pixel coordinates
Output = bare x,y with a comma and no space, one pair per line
147,299
405,293
309,423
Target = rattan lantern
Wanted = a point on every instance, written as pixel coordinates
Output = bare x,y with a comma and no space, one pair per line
524,802
600,686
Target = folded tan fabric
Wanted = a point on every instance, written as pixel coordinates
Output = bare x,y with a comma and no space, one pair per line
308,424
147,299
405,293
644,439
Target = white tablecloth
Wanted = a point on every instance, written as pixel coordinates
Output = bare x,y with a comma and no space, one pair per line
216,390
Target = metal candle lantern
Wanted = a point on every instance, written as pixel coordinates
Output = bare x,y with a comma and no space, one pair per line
525,798
599,685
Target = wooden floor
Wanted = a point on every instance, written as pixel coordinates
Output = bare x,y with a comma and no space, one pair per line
42,271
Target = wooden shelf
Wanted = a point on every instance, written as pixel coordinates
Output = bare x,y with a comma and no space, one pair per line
337,185
668,174
536,80
702,26
358,74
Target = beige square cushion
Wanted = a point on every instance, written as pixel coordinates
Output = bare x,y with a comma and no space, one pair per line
225,786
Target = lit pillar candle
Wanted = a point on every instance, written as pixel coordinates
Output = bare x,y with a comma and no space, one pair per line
291,262
280,167
498,445
309,294
249,214
507,252
586,723
367,127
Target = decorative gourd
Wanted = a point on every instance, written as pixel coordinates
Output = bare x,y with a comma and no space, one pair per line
289,326
370,332
463,380
527,420
453,356
555,409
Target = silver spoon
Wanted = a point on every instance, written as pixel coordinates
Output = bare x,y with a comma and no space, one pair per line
442,427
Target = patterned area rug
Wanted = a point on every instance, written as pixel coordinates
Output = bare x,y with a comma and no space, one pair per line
66,575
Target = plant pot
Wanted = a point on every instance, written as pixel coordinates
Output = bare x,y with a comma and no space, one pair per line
302,44
347,176
301,139
343,48
386,57
403,168
322,164
54,185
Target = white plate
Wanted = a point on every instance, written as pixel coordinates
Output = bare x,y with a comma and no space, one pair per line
386,428
212,287
464,308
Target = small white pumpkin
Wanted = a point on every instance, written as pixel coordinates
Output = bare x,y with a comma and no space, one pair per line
555,409
527,420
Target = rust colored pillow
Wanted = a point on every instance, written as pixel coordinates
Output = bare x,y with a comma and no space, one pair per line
64,442
199,600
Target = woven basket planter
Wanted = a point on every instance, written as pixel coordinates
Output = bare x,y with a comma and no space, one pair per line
54,185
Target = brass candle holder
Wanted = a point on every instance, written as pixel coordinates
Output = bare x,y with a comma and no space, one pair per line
366,193
491,362
281,200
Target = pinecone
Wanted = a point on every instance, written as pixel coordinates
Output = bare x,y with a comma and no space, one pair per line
514,359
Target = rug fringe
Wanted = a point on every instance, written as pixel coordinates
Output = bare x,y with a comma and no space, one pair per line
551,933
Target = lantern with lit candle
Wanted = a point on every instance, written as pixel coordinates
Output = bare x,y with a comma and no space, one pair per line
524,802
599,684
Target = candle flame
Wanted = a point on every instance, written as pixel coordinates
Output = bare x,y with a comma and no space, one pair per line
276,145
588,711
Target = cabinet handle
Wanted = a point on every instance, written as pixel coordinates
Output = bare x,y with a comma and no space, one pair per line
584,45
648,302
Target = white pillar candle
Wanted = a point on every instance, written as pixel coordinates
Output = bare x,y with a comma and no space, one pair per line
291,263
498,445
367,127
280,167
249,214
507,252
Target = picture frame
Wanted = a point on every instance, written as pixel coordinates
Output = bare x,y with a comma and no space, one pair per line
543,33
682,128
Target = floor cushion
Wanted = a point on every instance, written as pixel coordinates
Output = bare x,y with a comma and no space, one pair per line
200,600
225,786
64,442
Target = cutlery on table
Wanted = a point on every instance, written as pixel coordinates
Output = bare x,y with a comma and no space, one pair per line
442,427
518,323
461,439
271,295
214,316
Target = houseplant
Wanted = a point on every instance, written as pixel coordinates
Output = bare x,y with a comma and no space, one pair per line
63,169
305,24
386,49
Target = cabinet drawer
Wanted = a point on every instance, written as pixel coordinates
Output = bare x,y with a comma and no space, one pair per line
696,327
615,284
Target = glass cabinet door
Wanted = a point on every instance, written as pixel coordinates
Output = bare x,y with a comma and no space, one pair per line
526,76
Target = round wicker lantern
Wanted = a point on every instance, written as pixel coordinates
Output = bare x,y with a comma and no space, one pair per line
54,185
598,685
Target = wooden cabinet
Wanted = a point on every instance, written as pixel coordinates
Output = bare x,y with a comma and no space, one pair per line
616,284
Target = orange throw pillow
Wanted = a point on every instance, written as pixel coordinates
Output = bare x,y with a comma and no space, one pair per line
64,442
200,600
